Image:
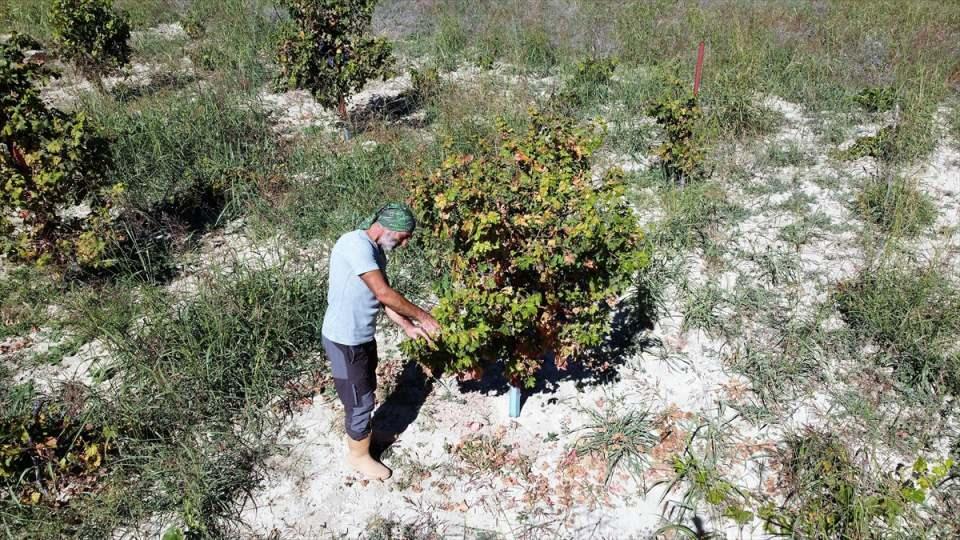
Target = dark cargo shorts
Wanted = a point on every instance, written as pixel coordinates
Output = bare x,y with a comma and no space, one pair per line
354,376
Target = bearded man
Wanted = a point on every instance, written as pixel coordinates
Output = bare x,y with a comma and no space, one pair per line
358,288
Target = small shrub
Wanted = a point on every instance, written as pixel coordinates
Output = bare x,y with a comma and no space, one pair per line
680,154
876,99
50,161
327,49
831,497
880,146
538,252
913,315
50,452
426,84
896,206
91,34
590,84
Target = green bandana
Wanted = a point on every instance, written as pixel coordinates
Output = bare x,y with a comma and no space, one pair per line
394,216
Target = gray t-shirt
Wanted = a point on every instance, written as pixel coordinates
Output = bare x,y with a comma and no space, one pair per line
352,308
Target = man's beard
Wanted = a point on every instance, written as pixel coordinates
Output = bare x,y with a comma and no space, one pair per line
387,243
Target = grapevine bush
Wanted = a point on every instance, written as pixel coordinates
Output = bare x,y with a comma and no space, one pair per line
538,251
327,49
49,161
91,34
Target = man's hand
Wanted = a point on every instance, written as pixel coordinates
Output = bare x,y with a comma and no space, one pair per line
416,332
429,324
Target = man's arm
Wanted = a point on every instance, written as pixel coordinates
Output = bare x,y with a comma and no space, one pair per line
400,320
396,302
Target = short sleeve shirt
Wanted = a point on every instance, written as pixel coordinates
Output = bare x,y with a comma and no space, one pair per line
352,308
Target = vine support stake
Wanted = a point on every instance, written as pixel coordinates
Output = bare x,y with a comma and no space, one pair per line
514,401
699,71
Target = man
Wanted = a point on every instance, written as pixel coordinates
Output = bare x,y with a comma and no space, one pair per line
358,288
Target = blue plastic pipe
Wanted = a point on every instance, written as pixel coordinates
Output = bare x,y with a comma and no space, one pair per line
514,396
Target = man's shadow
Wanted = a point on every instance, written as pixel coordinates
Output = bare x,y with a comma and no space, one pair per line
401,407
632,317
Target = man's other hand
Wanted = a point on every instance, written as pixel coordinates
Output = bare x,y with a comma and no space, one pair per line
416,332
428,323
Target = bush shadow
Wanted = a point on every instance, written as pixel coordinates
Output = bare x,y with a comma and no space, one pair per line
124,91
627,338
396,109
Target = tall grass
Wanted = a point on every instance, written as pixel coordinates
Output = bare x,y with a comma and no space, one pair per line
191,403
818,54
188,163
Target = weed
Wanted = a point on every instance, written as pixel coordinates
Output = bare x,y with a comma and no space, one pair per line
24,296
879,146
50,451
190,402
896,205
787,156
693,217
622,441
703,484
913,315
485,455
701,309
380,528
876,99
590,85
953,125
190,165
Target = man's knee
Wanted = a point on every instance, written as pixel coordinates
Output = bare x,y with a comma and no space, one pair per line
357,417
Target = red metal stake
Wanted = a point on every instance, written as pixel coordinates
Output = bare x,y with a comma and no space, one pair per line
699,72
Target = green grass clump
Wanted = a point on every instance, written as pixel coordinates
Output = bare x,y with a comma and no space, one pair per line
622,441
896,206
693,217
876,99
228,350
24,295
789,155
913,316
339,189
